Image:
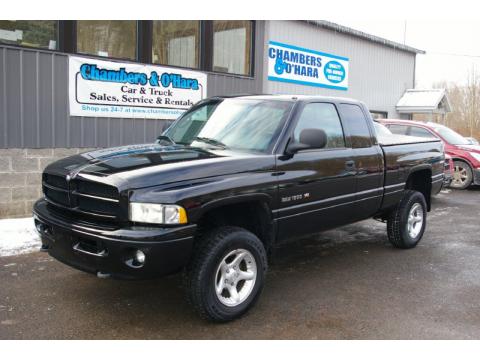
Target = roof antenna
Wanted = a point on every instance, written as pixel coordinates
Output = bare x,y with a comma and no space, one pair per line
405,33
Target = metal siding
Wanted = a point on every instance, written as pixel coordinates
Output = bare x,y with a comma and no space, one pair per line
89,131
28,98
379,75
45,96
34,109
3,99
64,129
13,101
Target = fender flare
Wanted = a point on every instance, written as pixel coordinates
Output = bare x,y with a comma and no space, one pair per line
417,168
231,200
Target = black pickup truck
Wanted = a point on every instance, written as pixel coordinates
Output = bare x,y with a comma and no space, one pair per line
225,183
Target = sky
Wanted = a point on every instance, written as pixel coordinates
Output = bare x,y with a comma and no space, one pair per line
443,40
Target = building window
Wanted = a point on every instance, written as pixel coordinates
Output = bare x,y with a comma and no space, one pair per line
114,39
176,43
379,114
232,45
39,34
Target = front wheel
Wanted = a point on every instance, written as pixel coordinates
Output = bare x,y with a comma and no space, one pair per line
462,175
227,272
406,223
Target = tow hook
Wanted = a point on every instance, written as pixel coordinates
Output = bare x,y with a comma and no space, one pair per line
102,275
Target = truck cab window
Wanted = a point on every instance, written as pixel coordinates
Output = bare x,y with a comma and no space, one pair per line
322,116
356,124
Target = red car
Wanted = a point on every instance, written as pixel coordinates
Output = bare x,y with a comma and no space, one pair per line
466,157
448,171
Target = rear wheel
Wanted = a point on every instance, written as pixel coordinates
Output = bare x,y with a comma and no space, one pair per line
226,275
462,175
406,224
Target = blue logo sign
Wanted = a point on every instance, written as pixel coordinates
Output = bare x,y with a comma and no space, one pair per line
334,72
293,64
280,66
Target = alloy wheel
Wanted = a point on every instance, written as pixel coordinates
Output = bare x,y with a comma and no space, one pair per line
235,277
415,220
460,176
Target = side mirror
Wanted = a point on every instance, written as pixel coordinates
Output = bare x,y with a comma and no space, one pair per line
309,139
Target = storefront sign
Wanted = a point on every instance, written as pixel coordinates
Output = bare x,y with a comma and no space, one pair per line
110,89
293,64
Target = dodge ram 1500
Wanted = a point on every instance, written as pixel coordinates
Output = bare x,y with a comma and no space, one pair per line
225,183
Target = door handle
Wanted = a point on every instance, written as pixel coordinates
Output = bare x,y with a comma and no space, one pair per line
350,165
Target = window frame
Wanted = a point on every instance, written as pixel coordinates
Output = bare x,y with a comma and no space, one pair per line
148,57
298,115
67,43
57,39
138,47
144,47
210,46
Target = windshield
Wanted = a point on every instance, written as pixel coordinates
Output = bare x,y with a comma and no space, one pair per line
451,136
381,130
241,124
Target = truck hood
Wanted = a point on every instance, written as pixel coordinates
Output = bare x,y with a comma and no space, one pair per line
144,165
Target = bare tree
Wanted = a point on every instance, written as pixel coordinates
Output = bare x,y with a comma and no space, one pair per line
465,101
472,101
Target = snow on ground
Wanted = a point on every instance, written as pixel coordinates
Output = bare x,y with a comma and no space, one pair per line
18,236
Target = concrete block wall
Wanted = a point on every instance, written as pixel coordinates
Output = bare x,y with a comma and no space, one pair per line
21,177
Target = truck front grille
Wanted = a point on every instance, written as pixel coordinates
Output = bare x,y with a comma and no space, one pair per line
88,198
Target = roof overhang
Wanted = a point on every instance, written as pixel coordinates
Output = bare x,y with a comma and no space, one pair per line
418,101
360,34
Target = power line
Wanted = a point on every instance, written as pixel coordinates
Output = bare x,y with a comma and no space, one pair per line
453,54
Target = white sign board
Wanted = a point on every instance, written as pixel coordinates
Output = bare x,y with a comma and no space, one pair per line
101,88
293,64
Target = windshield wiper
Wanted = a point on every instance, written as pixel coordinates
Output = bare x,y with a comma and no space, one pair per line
210,141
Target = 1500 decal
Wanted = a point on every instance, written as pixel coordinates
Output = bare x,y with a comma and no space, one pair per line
295,197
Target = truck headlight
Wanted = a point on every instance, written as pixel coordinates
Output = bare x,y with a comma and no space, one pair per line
157,213
475,155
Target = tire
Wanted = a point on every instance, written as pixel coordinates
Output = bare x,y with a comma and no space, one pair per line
402,233
462,175
213,268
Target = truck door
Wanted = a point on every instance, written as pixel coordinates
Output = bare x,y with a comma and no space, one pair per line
316,186
368,161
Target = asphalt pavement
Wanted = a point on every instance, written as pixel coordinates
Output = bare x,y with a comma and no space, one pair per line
349,283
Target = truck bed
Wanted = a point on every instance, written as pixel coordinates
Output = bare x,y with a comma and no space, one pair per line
405,154
390,140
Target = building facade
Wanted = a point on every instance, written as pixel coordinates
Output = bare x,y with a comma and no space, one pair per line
38,125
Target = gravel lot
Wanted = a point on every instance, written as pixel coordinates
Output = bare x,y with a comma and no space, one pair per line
343,284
